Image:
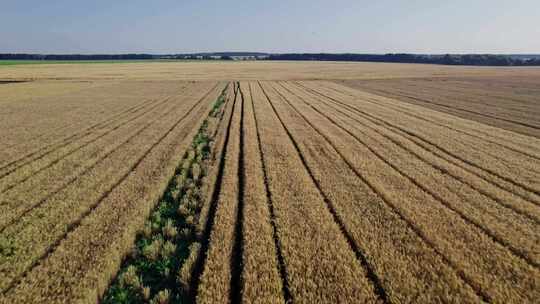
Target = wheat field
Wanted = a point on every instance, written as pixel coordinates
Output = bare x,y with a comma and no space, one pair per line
269,182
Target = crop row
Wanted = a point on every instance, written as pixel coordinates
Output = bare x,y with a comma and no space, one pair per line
304,247
480,101
44,123
450,218
328,194
95,226
160,266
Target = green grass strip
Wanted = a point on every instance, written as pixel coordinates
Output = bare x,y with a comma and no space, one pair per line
150,273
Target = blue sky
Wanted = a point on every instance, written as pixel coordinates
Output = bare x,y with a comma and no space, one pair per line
177,26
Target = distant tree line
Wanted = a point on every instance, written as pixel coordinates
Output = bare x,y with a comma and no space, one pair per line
76,57
483,60
113,57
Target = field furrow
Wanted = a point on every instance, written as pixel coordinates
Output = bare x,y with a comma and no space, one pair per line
486,102
443,164
268,181
518,117
205,222
207,214
75,202
20,170
39,105
468,93
262,258
514,230
23,171
315,251
77,126
371,222
62,130
19,202
45,121
521,144
489,176
451,143
102,237
87,136
461,243
36,188
40,189
216,282
485,137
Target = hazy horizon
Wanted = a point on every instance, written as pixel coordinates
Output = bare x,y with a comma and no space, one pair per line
299,26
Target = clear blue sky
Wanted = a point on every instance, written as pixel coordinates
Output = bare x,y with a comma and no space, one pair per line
177,26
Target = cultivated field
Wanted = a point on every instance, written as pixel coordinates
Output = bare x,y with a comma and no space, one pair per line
506,102
301,182
79,178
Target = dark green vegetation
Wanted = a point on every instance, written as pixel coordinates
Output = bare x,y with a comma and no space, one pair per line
217,106
447,59
153,272
472,59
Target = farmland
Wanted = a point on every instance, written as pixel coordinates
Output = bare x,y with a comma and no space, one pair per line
269,182
508,103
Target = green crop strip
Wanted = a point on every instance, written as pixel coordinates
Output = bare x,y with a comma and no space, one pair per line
152,273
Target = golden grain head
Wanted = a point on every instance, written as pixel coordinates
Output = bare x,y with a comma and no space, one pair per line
184,210
146,293
190,220
130,278
153,250
169,230
180,181
175,193
168,249
147,230
162,297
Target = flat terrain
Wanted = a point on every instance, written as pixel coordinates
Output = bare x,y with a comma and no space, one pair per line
506,102
85,167
323,183
376,200
251,70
